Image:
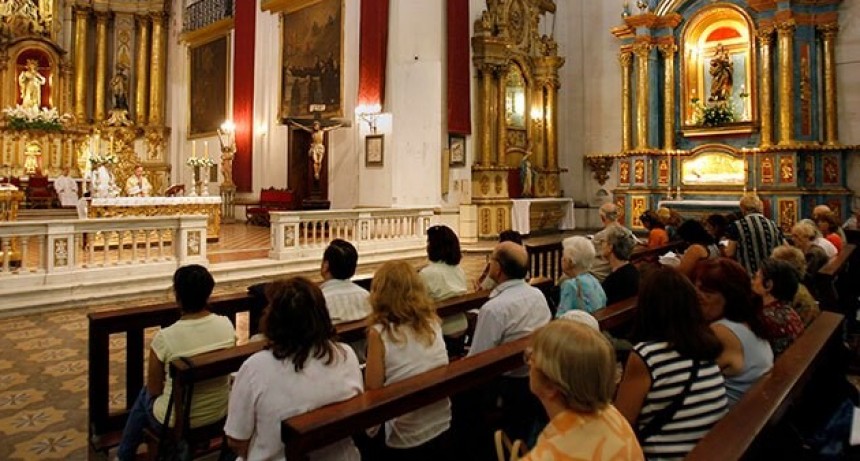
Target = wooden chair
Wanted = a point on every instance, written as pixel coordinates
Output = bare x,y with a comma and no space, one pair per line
39,192
271,199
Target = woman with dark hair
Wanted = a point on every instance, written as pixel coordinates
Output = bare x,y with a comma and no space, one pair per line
776,282
828,225
301,369
701,246
444,278
728,304
717,225
657,235
672,369
197,331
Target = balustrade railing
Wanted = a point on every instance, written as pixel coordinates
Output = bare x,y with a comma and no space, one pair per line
304,235
204,12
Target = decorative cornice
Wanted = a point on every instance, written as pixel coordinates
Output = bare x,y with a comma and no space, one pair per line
600,165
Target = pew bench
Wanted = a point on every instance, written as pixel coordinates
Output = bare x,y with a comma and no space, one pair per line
832,284
748,430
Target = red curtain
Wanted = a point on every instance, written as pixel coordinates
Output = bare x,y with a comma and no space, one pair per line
459,108
373,49
243,92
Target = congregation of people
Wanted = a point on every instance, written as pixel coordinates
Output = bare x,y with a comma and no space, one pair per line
708,325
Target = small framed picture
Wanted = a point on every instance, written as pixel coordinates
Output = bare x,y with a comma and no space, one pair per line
374,147
457,146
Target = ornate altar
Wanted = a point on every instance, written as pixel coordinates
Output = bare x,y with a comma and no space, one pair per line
742,87
161,206
56,91
516,144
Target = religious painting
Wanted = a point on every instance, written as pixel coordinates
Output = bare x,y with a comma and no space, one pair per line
767,169
713,168
787,213
786,169
830,169
312,60
639,171
374,149
639,205
809,170
207,79
624,172
663,172
457,147
620,204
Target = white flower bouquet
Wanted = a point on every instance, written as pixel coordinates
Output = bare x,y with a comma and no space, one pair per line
200,161
97,159
34,118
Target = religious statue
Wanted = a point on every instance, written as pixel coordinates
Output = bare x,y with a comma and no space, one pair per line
119,87
30,81
527,176
32,158
722,77
317,150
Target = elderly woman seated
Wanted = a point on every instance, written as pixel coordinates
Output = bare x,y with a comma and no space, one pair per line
580,290
804,303
623,281
776,282
807,239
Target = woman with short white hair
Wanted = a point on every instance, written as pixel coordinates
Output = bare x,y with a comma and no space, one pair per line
581,290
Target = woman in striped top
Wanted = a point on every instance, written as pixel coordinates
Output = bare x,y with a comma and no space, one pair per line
672,391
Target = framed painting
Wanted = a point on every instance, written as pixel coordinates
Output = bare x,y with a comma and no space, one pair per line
457,147
208,64
312,60
374,150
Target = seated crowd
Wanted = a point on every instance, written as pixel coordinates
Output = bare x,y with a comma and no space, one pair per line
706,329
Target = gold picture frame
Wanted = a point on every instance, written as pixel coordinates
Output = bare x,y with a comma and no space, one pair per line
208,64
457,147
374,150
312,60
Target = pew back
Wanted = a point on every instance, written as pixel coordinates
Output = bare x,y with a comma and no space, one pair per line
827,279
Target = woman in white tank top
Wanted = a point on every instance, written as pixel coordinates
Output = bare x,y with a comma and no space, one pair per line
404,340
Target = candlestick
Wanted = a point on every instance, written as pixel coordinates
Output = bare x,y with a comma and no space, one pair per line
193,149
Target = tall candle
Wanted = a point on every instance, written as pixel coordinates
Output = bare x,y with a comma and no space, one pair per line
206,149
193,149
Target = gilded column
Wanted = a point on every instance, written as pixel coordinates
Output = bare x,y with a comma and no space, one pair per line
81,19
536,125
158,68
626,60
551,118
642,51
141,70
101,65
486,113
831,119
667,50
501,118
765,40
785,33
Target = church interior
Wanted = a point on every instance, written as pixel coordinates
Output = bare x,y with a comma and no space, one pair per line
141,136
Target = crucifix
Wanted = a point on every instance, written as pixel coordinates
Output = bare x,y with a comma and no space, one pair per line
317,127
311,188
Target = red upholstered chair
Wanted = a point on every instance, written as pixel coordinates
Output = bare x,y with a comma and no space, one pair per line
271,199
39,192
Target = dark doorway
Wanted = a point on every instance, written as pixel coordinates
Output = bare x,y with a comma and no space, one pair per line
311,194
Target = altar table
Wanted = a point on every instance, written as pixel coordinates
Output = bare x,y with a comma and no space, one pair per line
698,209
542,214
161,206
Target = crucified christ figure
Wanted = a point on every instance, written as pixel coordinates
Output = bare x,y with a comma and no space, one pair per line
317,150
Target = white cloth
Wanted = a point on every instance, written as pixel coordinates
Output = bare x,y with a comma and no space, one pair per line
67,190
267,391
445,281
103,185
138,187
520,211
515,309
187,338
828,247
345,300
406,359
82,206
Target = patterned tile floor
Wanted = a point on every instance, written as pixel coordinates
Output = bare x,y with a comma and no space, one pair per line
43,375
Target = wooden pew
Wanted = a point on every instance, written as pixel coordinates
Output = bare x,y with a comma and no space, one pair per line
827,281
745,429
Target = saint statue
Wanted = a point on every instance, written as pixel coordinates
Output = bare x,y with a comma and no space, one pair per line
721,71
527,176
317,150
30,81
119,87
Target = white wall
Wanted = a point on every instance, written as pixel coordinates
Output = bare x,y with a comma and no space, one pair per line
848,77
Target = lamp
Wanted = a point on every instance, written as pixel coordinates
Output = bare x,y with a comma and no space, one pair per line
227,136
369,114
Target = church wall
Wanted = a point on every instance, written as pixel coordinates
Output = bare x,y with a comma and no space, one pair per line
848,77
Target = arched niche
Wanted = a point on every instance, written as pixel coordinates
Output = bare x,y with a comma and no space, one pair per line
718,64
50,59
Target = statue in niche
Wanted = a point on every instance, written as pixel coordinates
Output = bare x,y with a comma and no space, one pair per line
527,176
119,88
721,72
31,82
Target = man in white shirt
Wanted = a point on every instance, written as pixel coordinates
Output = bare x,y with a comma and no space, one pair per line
346,301
67,189
137,185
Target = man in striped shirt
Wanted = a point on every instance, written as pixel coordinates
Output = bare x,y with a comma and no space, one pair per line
753,237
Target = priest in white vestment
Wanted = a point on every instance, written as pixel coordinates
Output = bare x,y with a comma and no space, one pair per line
137,185
67,189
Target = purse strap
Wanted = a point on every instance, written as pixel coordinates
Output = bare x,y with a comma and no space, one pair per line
664,415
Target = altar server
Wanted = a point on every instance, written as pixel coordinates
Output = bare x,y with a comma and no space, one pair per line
67,189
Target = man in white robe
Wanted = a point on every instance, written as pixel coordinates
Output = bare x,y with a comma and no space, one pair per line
67,189
137,185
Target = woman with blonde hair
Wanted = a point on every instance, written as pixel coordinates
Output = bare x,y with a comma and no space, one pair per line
572,373
404,339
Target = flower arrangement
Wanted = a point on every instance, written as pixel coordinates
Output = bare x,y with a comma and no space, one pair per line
33,118
712,114
200,161
96,159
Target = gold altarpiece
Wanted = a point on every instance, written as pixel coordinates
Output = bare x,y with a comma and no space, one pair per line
517,89
744,95
104,69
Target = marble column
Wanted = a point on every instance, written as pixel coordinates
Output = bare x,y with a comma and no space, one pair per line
141,70
785,33
626,60
831,118
101,64
81,26
765,41
643,52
